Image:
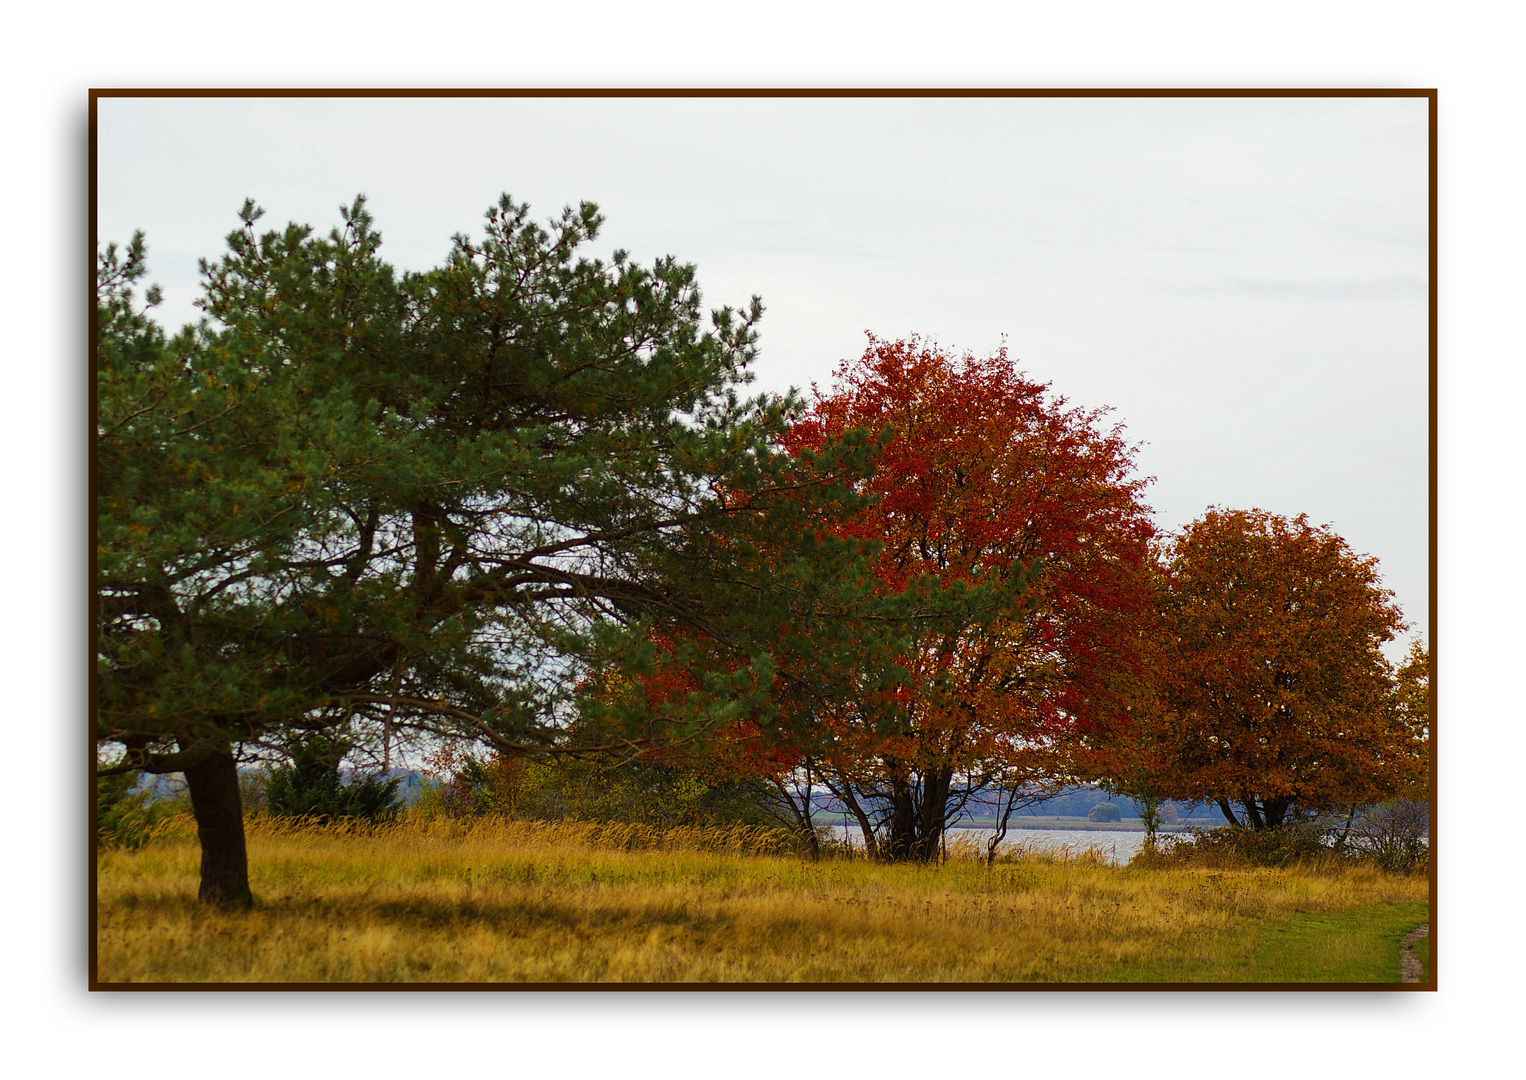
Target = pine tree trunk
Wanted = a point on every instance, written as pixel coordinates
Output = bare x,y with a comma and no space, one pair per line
219,811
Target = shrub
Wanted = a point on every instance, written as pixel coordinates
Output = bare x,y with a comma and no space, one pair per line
1229,847
1393,835
254,790
1105,812
127,813
1389,836
566,789
311,786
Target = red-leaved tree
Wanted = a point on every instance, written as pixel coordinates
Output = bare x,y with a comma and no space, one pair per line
988,479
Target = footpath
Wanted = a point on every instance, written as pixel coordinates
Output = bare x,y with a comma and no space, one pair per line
1409,964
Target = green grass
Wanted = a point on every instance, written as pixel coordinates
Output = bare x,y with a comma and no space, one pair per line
1360,945
1352,946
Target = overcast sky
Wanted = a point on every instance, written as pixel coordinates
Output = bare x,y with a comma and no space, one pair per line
1242,280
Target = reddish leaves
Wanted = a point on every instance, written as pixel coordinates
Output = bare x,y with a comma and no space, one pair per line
987,474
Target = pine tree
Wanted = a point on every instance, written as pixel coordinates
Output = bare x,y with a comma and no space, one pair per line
312,786
441,502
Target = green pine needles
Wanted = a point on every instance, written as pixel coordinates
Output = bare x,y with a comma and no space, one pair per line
313,787
475,501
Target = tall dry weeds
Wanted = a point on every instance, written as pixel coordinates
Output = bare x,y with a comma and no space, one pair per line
497,900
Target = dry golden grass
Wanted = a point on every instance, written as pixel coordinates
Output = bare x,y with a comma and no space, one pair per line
505,901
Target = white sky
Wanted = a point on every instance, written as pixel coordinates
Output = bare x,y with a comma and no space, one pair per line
1242,280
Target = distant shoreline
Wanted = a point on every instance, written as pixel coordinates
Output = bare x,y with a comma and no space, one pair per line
1081,824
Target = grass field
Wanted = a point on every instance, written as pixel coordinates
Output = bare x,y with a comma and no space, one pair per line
519,902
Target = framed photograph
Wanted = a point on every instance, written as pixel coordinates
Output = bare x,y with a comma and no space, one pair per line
919,539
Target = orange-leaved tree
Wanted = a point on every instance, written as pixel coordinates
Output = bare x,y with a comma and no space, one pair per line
988,480
1279,697
1412,690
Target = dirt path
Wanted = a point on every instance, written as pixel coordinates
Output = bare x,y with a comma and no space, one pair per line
1409,965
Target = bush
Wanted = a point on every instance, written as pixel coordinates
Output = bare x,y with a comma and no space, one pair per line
1105,812
1390,836
1393,835
566,789
254,790
1230,846
311,786
126,813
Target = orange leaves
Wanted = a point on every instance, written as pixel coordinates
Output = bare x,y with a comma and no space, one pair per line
1281,686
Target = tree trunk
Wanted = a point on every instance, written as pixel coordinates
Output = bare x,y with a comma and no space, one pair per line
215,800
903,822
1252,811
1228,811
1149,807
1340,844
934,815
800,812
999,834
844,793
918,813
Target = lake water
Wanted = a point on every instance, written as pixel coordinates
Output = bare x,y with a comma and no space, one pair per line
1114,847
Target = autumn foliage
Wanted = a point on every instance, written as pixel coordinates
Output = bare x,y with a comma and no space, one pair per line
988,480
1412,692
519,501
1276,694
